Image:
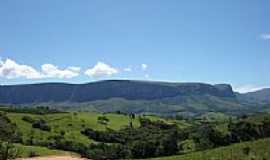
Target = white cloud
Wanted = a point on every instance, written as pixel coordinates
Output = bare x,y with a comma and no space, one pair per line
75,69
52,71
265,36
128,69
144,67
10,69
100,70
249,88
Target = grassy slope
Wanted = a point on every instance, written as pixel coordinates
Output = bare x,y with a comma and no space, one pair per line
259,149
72,124
61,122
24,151
68,122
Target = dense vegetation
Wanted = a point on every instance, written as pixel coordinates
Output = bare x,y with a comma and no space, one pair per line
120,136
254,150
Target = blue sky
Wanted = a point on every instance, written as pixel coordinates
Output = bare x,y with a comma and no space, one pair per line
185,41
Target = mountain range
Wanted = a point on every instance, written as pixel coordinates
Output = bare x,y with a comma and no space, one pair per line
136,96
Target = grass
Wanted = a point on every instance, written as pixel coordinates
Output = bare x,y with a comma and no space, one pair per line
72,123
25,151
260,150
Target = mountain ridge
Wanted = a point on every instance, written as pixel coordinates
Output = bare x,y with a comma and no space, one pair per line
128,89
132,96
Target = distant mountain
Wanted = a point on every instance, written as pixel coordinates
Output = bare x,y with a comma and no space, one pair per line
127,96
257,97
131,90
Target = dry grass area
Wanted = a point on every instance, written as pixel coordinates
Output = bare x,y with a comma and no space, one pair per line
54,158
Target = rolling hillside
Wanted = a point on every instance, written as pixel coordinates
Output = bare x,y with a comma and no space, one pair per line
259,150
71,124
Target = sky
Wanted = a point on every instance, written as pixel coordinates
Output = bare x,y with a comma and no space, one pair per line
80,41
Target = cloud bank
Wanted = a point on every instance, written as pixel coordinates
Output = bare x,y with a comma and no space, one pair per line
52,71
101,70
10,69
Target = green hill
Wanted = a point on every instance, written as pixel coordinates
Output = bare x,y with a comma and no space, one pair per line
259,150
71,124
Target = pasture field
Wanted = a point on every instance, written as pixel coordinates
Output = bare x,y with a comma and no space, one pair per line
72,123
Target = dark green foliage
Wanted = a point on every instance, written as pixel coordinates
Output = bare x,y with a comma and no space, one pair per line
32,110
28,119
159,124
59,142
103,120
246,150
102,151
109,136
245,130
144,149
206,136
150,140
8,134
41,124
8,130
7,151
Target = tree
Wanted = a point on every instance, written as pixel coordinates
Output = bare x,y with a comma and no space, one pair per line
8,135
103,120
131,118
8,151
30,141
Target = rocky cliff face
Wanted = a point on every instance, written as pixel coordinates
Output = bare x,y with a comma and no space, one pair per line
131,90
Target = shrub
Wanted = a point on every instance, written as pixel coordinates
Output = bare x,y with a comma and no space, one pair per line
28,119
8,151
41,124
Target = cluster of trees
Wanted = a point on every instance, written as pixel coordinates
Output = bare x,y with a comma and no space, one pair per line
32,110
40,123
246,130
103,120
157,138
206,136
152,139
8,136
